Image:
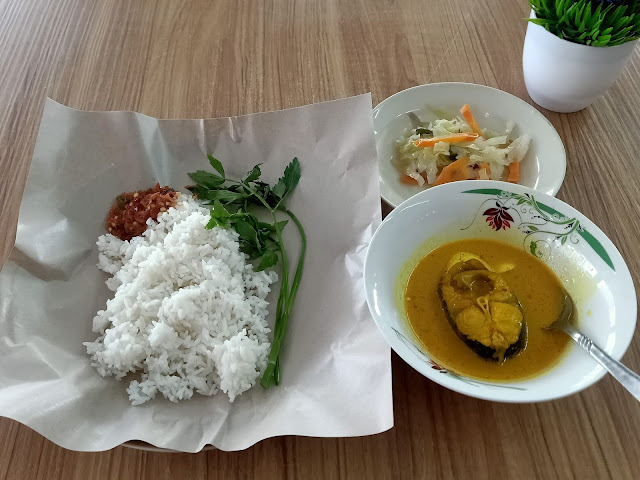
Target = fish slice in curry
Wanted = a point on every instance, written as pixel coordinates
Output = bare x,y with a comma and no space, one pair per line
482,309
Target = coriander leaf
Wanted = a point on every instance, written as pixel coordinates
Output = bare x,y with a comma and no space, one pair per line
250,250
271,245
289,180
222,196
269,259
292,174
264,233
229,196
262,188
213,222
219,215
253,175
234,208
280,189
206,179
246,232
268,243
282,224
215,163
219,211
198,191
250,217
270,227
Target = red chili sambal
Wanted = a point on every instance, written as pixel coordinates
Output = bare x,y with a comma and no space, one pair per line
129,213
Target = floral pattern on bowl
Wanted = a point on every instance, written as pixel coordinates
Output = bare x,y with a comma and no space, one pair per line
536,219
544,226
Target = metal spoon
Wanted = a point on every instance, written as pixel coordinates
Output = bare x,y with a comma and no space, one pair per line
629,379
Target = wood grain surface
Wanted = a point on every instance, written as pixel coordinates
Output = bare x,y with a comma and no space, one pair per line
207,58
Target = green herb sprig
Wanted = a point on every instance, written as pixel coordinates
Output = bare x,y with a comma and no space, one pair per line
233,203
598,23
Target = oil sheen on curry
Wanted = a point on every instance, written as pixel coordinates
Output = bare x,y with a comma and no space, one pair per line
480,308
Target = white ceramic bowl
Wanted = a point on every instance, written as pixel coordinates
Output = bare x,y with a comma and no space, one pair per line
542,169
563,76
589,265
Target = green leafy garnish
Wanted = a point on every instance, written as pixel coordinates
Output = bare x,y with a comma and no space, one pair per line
233,205
423,131
215,163
600,23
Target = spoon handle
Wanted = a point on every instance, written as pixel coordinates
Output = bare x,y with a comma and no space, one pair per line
629,379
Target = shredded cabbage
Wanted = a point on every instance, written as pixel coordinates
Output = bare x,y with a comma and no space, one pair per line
441,147
424,164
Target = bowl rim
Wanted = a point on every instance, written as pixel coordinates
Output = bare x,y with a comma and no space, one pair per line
488,393
556,186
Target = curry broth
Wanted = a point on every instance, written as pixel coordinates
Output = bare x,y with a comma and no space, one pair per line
538,289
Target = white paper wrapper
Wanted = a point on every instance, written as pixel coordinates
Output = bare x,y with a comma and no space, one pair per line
336,373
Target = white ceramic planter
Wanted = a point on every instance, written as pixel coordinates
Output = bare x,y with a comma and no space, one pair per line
563,76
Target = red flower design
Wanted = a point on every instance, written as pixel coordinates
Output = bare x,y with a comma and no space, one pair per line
435,366
498,217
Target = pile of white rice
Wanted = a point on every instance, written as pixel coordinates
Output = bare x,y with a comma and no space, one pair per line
188,311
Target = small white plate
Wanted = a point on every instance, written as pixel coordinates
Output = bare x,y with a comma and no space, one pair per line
542,169
590,266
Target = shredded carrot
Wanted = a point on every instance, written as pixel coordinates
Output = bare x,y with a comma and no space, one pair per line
470,119
458,170
453,138
407,180
514,172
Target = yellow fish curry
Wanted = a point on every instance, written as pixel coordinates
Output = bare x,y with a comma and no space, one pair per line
480,308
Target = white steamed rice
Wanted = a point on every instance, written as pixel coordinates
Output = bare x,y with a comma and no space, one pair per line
188,311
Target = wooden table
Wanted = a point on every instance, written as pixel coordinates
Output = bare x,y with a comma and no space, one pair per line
207,58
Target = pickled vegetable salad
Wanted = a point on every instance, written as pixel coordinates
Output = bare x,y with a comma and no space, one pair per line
458,149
